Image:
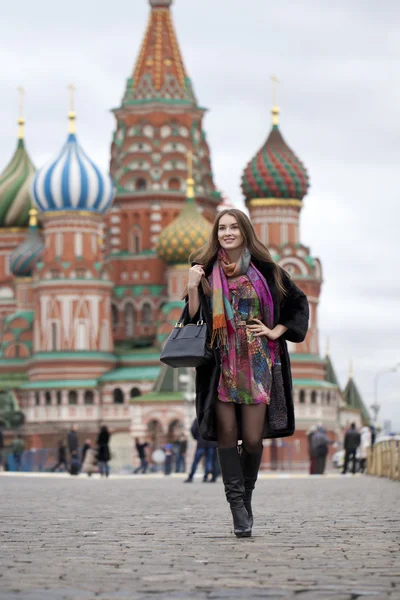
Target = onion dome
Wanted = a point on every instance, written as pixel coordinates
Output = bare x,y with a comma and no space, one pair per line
15,183
275,171
24,258
186,233
71,181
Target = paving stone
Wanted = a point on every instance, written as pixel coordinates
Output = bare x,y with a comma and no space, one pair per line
145,539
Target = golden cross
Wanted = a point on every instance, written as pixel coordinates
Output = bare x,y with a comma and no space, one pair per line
275,83
72,90
21,93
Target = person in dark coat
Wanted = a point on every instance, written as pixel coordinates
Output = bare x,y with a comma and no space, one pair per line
319,449
103,451
352,440
141,448
72,440
204,449
261,408
61,456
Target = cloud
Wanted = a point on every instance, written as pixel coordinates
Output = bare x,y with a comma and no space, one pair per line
338,64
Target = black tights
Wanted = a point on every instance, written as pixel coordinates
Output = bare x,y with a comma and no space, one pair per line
252,417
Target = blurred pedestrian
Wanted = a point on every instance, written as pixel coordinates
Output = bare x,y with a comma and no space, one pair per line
103,451
365,445
18,448
169,457
72,440
86,446
181,454
89,459
204,449
141,449
352,440
311,455
320,448
61,456
74,465
373,434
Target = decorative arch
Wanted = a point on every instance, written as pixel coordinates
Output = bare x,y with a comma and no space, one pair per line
154,432
135,392
135,241
302,397
293,260
174,184
129,319
89,397
147,313
313,397
72,397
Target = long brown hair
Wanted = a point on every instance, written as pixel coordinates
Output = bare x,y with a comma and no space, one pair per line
207,254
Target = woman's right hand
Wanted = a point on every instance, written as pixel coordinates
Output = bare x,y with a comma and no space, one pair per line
195,275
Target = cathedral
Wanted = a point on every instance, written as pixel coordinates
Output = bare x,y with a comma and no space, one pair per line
93,266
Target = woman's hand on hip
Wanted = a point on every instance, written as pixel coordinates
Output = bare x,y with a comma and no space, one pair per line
195,275
259,329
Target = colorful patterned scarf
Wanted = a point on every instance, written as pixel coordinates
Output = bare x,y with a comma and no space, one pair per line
224,328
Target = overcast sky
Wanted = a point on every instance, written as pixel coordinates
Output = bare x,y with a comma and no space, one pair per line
339,67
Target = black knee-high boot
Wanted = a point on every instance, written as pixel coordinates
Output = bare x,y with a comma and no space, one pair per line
250,467
231,471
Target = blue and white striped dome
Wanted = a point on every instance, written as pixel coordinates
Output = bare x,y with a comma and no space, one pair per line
72,182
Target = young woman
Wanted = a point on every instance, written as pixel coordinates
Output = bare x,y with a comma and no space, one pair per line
251,308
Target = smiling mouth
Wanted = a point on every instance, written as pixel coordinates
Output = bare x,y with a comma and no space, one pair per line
229,240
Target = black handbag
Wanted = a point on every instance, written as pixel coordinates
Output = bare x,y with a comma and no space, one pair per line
187,345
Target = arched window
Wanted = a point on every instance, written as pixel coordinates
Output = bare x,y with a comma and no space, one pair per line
59,397
72,398
174,184
146,314
135,243
302,397
135,392
328,397
313,397
48,398
115,317
141,184
118,396
89,397
129,318
37,398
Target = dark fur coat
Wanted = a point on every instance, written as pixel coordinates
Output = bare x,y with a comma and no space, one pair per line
292,312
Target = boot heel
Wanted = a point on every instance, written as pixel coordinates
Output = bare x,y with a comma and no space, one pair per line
241,527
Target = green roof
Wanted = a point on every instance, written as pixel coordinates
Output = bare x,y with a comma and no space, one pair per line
131,374
353,399
306,357
137,290
59,384
159,397
318,383
140,357
78,354
330,374
169,305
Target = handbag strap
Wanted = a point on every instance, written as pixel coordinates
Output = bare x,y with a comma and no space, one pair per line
185,315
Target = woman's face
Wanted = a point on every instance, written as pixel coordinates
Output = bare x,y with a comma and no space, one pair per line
229,235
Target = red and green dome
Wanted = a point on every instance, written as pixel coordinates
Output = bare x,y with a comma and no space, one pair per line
275,172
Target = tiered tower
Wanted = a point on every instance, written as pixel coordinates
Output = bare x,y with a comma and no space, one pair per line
274,184
158,123
14,213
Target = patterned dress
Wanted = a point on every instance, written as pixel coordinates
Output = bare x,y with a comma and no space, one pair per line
246,372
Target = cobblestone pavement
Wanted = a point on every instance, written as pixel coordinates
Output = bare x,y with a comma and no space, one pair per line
139,539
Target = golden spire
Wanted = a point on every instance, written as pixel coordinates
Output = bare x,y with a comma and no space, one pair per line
351,370
328,346
275,107
190,180
21,121
71,113
33,213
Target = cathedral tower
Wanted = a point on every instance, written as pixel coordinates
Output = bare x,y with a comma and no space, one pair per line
158,123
